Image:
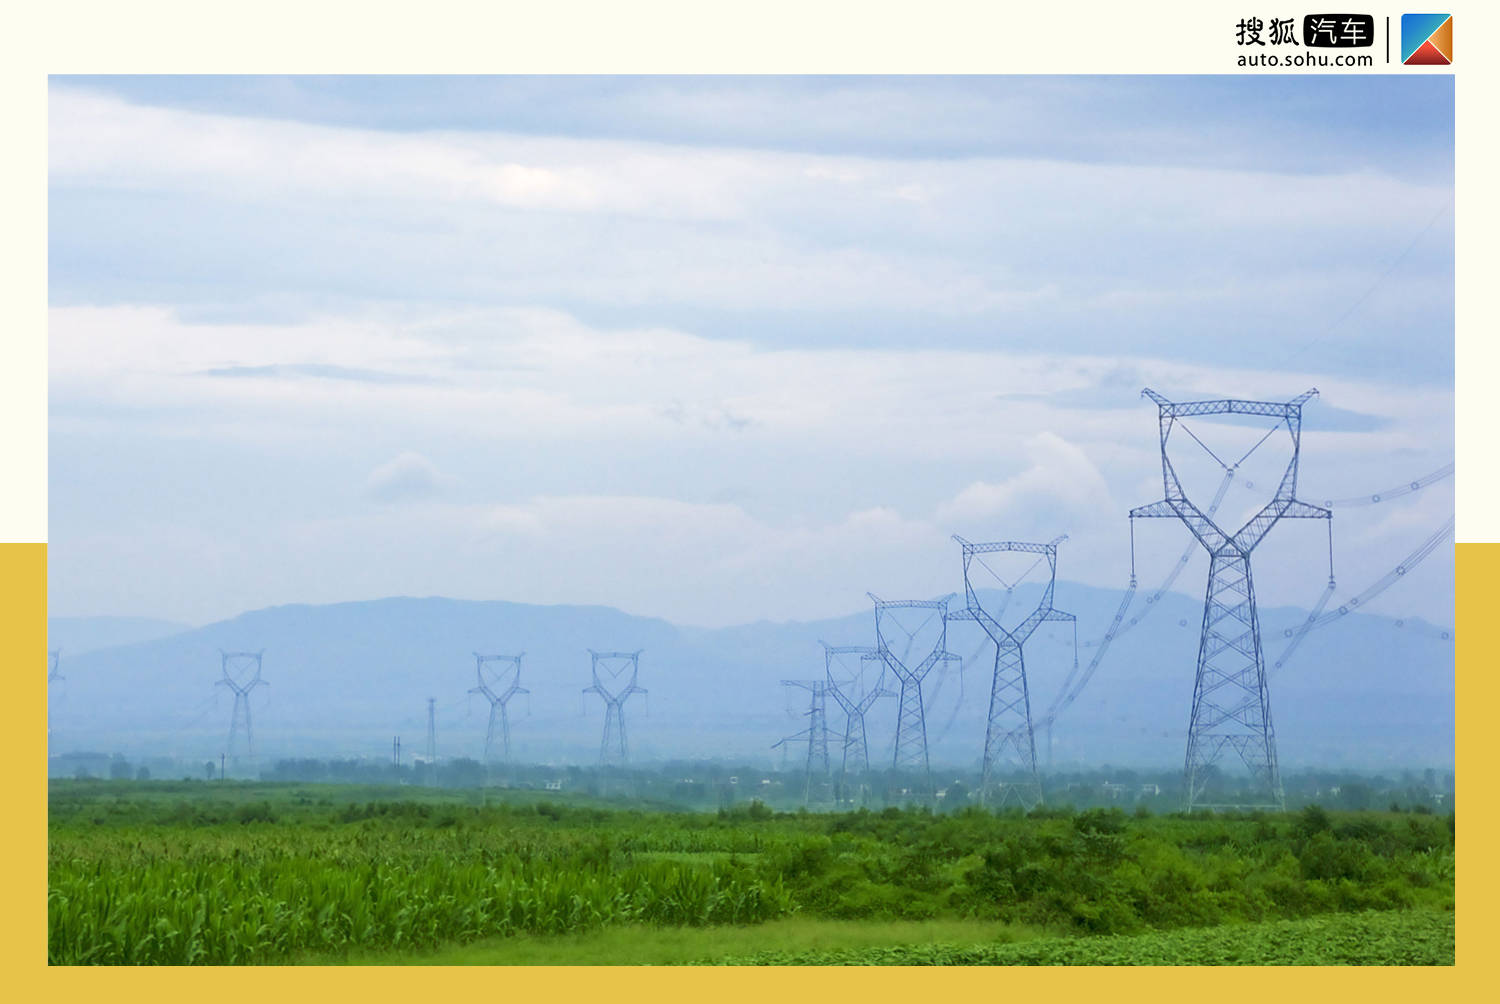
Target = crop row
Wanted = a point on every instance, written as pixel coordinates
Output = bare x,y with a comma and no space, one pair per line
239,910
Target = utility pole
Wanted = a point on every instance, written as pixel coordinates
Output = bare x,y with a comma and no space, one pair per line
431,741
1231,702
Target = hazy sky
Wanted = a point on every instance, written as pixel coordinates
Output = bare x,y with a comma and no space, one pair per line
726,349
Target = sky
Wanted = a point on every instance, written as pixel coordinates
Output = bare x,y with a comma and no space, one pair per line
727,349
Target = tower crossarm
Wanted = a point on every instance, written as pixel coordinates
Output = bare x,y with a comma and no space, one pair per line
1197,522
1231,406
1008,545
1276,510
861,650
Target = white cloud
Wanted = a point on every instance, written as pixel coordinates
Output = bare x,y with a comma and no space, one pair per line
1061,481
630,223
591,461
404,477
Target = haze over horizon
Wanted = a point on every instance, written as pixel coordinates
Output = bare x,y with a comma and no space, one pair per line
724,350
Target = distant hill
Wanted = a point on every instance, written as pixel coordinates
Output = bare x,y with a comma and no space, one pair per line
75,635
345,678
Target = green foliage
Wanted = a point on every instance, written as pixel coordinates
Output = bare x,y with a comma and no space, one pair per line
1376,939
257,873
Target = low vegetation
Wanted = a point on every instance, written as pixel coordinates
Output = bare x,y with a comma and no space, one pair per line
1419,938
272,873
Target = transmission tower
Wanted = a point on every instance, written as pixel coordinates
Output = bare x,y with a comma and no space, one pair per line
53,675
1009,743
911,667
816,734
431,740
1231,703
851,694
241,674
503,683
614,685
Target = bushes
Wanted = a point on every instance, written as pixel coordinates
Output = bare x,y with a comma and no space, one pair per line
263,881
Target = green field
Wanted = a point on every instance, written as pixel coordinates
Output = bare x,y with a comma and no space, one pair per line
189,872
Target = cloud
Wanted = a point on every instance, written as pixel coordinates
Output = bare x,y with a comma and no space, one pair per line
405,477
687,375
220,210
1061,482
313,371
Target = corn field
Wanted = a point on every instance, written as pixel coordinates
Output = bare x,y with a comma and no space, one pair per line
276,893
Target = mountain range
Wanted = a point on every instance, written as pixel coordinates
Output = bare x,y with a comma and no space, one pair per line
343,679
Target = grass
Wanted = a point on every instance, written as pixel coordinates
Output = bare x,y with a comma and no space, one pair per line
657,946
183,873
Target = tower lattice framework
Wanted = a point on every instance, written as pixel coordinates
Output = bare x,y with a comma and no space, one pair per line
855,700
241,674
1231,703
911,668
614,686
818,764
1009,742
503,683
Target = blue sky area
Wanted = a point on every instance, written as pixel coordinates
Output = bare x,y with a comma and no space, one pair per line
718,349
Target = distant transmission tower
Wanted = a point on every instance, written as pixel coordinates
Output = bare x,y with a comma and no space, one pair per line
1231,704
503,683
849,690
241,674
614,684
431,740
911,666
816,734
1009,743
53,674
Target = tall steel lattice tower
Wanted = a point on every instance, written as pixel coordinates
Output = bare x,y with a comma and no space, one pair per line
241,674
816,733
502,683
1231,704
923,627
614,681
1009,744
855,696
